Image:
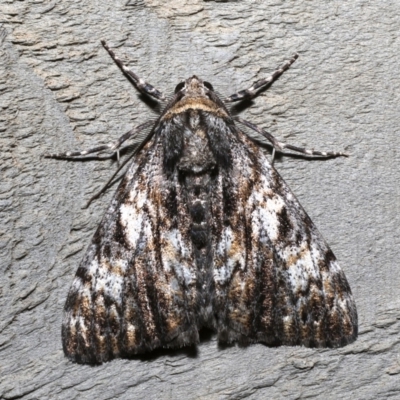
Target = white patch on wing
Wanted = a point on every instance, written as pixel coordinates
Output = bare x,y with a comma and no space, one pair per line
176,255
77,285
228,252
334,268
113,287
299,272
93,267
268,211
132,221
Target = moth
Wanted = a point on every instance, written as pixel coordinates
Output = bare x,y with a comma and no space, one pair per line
203,232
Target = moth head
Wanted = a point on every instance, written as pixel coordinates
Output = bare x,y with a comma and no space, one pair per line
193,87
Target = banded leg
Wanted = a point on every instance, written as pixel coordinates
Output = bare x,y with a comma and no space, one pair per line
110,146
105,187
141,85
252,90
280,146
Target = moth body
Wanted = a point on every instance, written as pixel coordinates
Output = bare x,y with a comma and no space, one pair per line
203,232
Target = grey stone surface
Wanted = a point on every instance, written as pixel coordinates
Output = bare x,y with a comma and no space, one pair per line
59,90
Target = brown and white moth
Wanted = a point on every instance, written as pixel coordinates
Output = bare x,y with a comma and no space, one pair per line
203,232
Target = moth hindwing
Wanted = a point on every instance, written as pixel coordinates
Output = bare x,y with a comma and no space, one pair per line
203,232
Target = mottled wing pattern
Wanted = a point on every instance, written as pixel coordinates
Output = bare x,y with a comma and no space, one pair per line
276,279
204,232
135,288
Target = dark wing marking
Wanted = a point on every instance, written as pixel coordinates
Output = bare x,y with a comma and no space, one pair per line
276,279
135,288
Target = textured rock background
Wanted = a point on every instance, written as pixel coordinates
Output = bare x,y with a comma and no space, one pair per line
59,90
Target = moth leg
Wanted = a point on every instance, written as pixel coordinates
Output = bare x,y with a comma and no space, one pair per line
280,146
253,89
115,146
105,187
141,85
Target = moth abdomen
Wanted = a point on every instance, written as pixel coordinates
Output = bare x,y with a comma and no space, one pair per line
199,234
197,212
